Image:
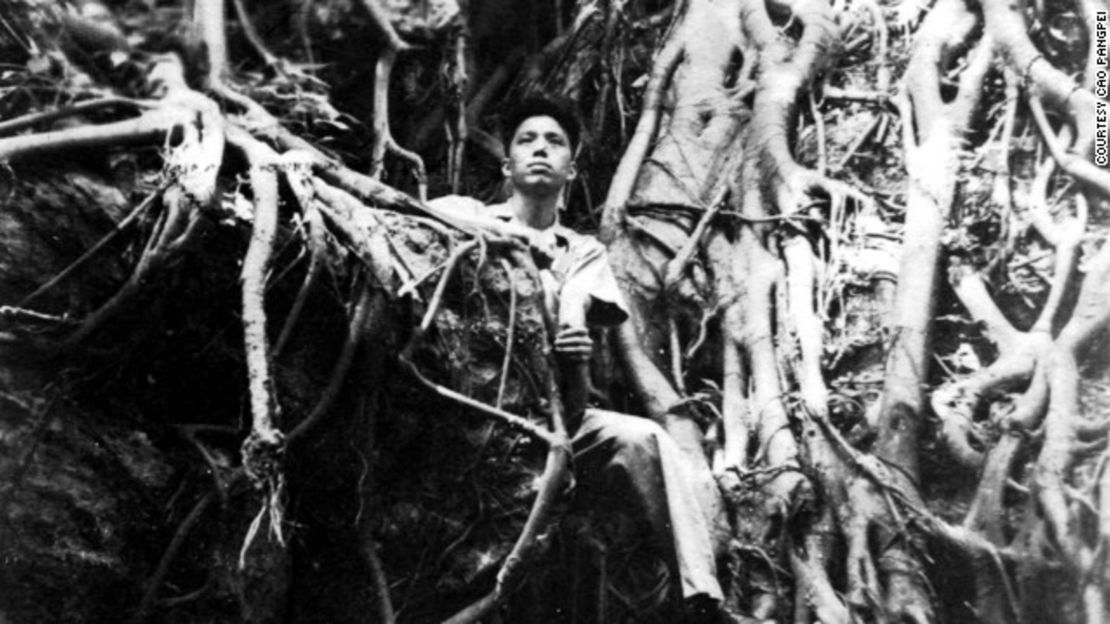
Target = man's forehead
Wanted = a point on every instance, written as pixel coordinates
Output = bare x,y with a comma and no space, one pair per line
540,123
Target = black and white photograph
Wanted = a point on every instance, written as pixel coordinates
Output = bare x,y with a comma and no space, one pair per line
554,311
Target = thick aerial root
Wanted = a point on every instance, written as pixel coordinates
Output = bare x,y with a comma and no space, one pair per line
801,283
517,422
12,126
735,408
890,583
264,447
957,402
939,127
151,127
815,597
624,179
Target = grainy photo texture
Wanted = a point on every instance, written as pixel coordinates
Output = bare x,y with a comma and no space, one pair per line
566,311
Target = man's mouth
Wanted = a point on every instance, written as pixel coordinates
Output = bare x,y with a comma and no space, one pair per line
540,166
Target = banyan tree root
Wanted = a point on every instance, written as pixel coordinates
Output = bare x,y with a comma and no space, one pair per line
191,169
194,131
556,470
939,127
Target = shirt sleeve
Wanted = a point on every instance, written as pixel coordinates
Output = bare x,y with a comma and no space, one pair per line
466,208
589,279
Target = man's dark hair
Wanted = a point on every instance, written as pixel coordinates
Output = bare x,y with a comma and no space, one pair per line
559,109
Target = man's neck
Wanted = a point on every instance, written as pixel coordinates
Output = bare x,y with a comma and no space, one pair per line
538,213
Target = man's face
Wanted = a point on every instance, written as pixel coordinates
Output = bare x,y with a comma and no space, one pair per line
540,159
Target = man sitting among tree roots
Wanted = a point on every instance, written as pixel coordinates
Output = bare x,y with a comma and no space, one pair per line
614,454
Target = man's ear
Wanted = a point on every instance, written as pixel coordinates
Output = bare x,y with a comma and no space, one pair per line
505,171
572,171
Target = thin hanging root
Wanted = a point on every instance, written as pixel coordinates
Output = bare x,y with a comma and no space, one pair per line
192,167
168,556
460,82
369,308
510,334
210,20
441,286
676,266
303,14
383,138
101,244
252,35
556,468
675,350
735,410
299,175
1074,165
860,140
556,471
512,420
380,18
822,145
405,358
381,583
317,247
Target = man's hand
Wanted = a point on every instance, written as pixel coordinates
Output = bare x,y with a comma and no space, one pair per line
574,343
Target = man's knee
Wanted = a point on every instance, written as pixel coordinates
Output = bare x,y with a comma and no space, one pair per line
633,439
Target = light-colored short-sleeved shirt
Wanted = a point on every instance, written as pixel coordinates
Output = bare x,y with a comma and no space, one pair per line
579,269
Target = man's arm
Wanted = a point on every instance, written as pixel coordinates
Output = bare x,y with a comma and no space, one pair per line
590,294
589,297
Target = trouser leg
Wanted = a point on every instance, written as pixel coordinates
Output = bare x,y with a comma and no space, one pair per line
629,461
